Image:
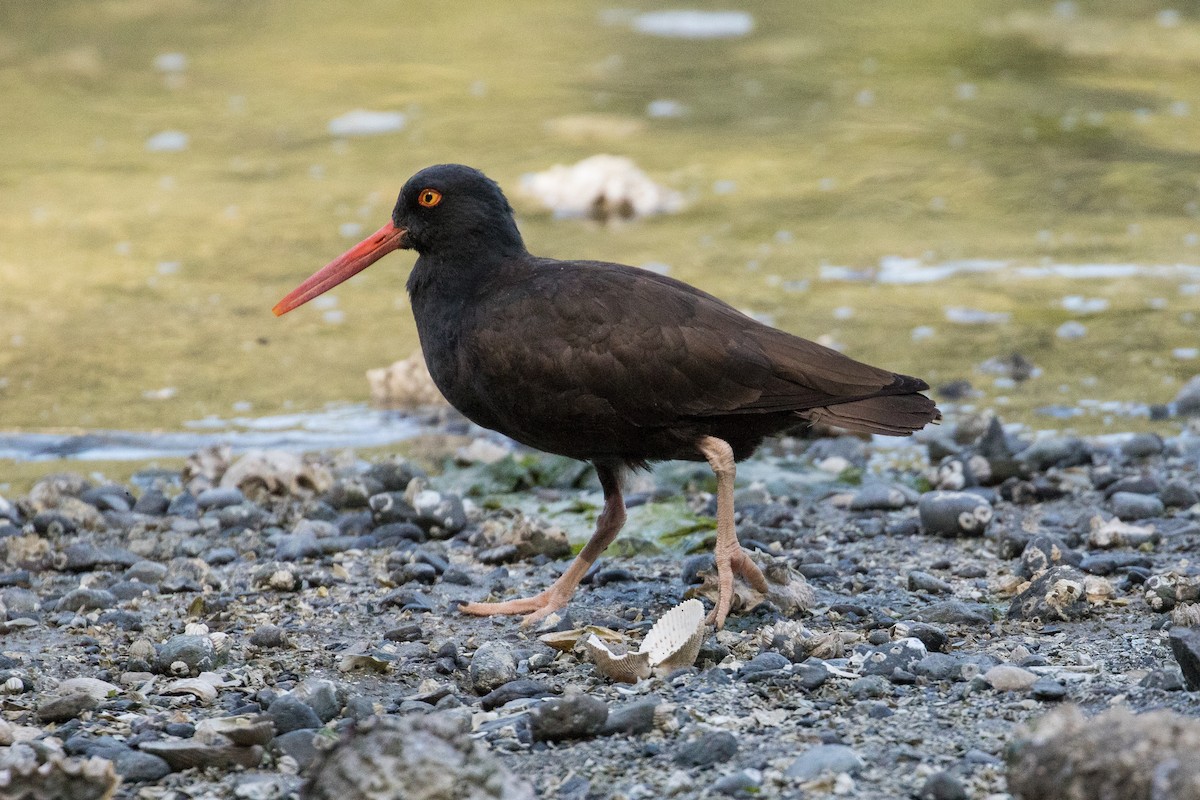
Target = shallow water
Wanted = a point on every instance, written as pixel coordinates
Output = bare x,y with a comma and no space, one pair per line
170,172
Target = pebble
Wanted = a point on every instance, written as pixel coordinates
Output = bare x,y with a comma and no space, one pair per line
956,612
299,744
942,786
1142,445
1009,678
61,709
1178,494
219,497
1131,506
514,690
1185,645
574,716
764,664
879,497
919,581
493,665
954,514
898,655
631,719
825,758
195,652
290,713
1048,690
1056,594
706,748
86,600
269,636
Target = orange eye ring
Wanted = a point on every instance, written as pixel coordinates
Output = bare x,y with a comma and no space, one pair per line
429,197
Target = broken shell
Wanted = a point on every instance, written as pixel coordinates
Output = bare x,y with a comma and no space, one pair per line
626,667
243,730
371,662
200,689
673,643
566,641
1116,533
196,629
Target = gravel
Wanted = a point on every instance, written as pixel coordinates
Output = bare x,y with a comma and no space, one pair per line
253,633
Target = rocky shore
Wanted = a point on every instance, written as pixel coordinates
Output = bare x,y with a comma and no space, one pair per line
272,626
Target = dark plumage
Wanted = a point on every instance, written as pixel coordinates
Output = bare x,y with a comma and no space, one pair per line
606,363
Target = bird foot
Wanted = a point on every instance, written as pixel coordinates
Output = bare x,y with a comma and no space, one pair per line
534,608
734,563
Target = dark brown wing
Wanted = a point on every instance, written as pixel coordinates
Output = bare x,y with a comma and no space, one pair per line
613,340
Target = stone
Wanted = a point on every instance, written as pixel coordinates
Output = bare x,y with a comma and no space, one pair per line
1132,506
1047,689
706,748
86,600
879,497
901,654
942,786
953,514
196,652
1009,678
631,719
290,713
575,716
1185,645
919,581
61,709
269,637
825,758
514,690
1178,494
1057,594
1142,445
493,665
299,744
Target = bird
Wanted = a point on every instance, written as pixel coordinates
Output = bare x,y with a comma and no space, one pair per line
606,363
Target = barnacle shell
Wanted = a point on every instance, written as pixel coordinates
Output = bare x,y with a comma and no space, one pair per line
672,643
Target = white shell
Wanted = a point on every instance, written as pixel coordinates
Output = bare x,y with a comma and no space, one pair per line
673,643
92,687
202,690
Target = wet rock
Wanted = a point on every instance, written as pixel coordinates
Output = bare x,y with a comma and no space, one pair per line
492,666
1115,754
574,716
1130,506
1056,594
954,514
822,759
428,757
706,748
1185,645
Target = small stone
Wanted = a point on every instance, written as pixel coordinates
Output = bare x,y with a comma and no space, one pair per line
1177,494
825,758
1056,594
299,744
152,503
196,653
514,690
951,667
1131,506
942,786
1185,645
765,663
1009,678
707,748
61,709
1048,690
1142,445
493,665
577,716
898,655
739,784
879,497
269,637
86,600
919,581
631,719
219,498
290,713
954,514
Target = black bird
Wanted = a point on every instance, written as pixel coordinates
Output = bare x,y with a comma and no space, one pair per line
606,363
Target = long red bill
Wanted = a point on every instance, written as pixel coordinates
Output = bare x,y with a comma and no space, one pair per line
345,266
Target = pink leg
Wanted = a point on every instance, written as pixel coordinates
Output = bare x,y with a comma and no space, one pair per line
730,557
608,525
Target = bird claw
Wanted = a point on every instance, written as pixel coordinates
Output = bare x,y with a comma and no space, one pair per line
534,608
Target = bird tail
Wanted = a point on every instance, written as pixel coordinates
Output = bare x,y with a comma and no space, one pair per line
892,415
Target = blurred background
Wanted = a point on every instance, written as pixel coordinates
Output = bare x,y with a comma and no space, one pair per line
933,187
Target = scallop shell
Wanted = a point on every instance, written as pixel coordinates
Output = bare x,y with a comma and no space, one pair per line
202,690
565,641
673,643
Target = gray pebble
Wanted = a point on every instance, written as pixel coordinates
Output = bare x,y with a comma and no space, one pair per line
514,690
823,758
632,718
811,674
290,713
869,686
956,612
146,572
86,557
219,497
1185,645
1056,594
953,514
269,636
919,581
61,709
195,651
1142,445
942,786
740,783
1177,494
324,697
577,716
299,744
152,503
764,663
707,748
901,654
879,497
86,600
493,665
1056,451
1131,506
1047,690
951,667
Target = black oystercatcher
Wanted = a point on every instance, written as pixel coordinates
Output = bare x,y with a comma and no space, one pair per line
606,363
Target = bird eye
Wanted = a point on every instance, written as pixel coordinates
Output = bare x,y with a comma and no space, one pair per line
429,197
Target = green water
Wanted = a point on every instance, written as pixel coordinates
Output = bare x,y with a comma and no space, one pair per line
137,285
